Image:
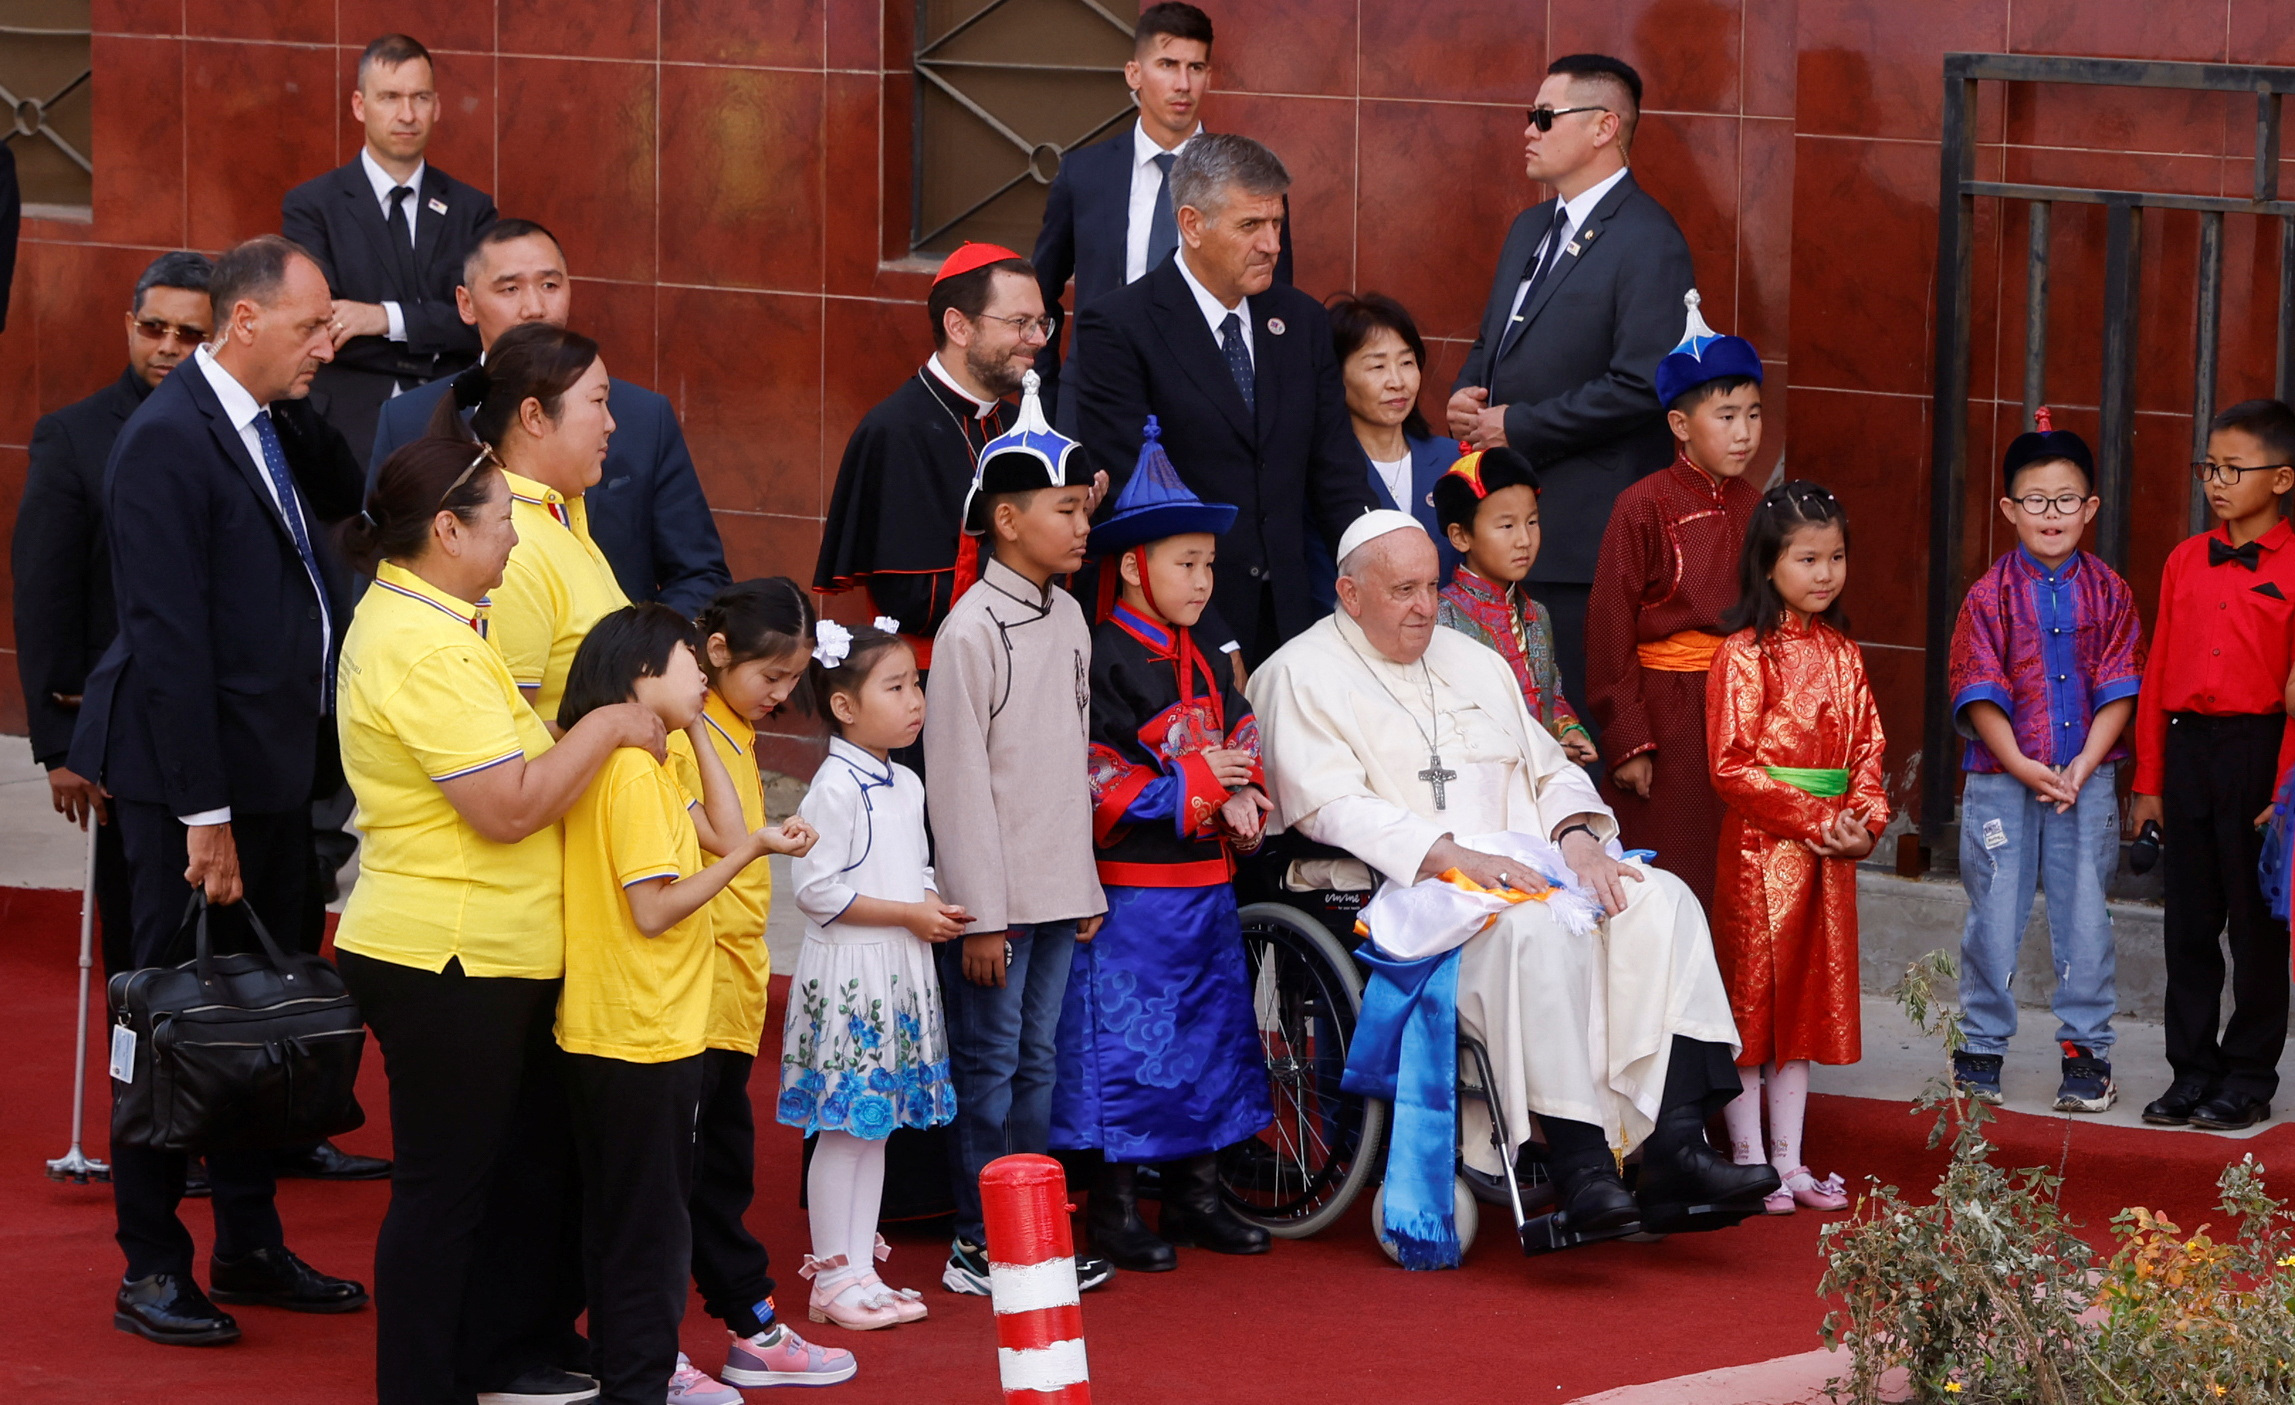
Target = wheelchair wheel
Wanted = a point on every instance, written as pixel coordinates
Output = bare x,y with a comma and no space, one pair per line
1466,1218
1308,1166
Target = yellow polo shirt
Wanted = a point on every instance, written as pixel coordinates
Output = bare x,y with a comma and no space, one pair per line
556,586
737,989
630,996
421,698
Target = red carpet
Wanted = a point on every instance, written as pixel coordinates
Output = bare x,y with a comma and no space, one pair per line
1316,1319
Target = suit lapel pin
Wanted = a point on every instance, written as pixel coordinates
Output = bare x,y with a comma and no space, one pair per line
437,205
1591,233
1571,248
1275,326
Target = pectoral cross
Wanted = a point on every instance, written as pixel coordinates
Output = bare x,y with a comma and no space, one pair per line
1439,778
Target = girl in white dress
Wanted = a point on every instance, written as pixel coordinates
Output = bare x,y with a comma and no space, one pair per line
864,1050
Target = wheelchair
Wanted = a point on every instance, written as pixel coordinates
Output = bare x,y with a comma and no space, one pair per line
1326,1145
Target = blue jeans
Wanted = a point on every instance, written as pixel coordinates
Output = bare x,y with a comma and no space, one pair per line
2010,842
1002,1046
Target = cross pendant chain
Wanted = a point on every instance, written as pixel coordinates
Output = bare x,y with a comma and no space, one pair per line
1436,776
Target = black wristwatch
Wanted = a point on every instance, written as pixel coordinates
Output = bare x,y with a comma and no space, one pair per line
1569,830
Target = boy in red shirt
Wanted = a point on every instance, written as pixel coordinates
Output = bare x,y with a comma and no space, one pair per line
2212,735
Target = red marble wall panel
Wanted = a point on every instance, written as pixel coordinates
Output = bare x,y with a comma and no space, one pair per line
1685,50
769,33
578,154
741,177
138,135
1413,51
232,89
439,24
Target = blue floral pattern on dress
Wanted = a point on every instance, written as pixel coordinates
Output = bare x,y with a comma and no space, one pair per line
853,1062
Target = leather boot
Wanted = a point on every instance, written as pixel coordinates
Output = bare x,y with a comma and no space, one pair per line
1194,1214
1118,1233
1591,1199
1687,1185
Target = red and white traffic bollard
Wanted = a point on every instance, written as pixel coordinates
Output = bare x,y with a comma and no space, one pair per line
1032,1280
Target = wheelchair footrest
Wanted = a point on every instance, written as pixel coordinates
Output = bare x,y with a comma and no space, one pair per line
1691,1219
1550,1233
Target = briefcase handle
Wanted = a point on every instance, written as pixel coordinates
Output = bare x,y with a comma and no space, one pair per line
198,910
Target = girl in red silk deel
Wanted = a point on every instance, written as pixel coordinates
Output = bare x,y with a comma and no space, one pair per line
1796,745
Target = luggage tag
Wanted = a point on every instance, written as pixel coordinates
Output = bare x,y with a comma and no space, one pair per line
123,1053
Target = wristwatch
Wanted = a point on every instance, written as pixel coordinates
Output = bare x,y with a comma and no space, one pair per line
1568,830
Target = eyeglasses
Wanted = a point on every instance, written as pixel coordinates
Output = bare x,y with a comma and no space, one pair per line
153,329
1041,326
2228,473
1543,117
2065,504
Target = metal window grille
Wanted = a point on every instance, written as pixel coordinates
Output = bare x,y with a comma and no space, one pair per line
1005,88
45,75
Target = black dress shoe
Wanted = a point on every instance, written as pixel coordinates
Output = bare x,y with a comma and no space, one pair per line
324,1161
2173,1108
544,1385
195,1183
1194,1214
1117,1231
2228,1112
168,1308
276,1278
1593,1200
1686,1185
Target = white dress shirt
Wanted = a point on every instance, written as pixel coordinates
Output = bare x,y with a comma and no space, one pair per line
383,184
1573,218
1214,312
241,409
981,409
1147,181
1395,473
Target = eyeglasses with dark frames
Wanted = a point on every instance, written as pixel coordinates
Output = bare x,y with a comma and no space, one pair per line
1543,117
2228,473
2039,504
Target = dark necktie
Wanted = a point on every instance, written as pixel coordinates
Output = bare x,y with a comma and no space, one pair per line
283,483
1163,225
402,237
2220,551
1238,359
1547,258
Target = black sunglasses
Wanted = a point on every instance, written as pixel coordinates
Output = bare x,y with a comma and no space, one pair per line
1543,117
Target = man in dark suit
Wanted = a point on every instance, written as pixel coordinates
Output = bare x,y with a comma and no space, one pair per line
1109,217
391,231
1241,375
1587,300
647,512
63,567
11,219
208,721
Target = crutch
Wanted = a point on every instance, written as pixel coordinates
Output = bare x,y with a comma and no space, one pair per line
74,1165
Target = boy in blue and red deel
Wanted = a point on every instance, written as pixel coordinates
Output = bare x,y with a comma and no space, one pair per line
1159,1057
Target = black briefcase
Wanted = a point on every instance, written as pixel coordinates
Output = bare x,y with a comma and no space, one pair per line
233,1053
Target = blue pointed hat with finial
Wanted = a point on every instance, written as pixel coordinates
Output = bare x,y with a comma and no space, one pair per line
1154,504
1031,454
1703,355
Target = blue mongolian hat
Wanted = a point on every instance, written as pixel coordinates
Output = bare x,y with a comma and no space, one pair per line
1704,355
1031,454
1154,504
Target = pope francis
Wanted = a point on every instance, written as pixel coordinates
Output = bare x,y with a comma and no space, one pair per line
1392,739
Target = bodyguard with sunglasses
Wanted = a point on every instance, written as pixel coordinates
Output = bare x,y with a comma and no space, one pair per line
63,565
1587,299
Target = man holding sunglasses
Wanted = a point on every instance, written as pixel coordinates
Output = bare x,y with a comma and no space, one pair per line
1586,301
64,613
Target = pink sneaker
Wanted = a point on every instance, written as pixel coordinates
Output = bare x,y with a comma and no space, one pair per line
689,1385
778,1356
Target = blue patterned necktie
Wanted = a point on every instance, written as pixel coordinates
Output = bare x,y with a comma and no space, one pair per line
1238,359
283,483
1162,225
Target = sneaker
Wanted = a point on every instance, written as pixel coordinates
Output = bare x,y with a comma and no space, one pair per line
2087,1085
690,1385
544,1385
967,1270
778,1356
1978,1076
1092,1271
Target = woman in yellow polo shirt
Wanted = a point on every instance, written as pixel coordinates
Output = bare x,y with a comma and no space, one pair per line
453,939
540,400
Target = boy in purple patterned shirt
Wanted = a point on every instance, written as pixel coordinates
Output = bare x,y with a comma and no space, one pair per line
2044,675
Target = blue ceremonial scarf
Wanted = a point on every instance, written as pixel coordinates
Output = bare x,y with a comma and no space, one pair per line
1406,1051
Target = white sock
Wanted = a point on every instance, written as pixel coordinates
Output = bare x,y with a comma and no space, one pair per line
1788,1105
1742,1115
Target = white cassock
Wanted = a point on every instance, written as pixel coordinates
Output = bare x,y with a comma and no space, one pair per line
1579,1027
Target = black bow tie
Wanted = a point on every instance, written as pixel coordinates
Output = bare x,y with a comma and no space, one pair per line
2250,555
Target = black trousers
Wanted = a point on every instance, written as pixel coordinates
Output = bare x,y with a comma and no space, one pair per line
478,1263
147,1185
115,902
633,1127
729,1265
2218,778
1699,1074
1566,601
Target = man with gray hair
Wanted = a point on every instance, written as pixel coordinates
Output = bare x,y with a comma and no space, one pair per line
1240,374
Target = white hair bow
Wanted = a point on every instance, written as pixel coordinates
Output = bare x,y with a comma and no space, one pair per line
886,623
831,642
